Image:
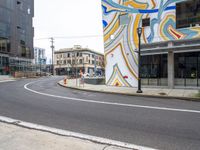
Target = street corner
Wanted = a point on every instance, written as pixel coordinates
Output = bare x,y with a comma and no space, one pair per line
9,80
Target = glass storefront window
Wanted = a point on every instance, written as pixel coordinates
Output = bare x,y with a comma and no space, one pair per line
154,69
191,67
187,70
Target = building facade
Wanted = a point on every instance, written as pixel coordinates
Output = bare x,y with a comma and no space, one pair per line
170,42
39,56
16,34
71,61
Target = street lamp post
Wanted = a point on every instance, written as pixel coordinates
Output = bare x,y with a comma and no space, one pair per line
139,32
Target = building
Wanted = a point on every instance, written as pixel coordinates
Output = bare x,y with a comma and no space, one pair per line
39,56
16,35
40,59
170,42
71,61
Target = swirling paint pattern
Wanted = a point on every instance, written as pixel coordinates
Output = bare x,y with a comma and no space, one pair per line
121,41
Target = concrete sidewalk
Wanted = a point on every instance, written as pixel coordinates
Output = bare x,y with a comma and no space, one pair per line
187,94
14,137
6,78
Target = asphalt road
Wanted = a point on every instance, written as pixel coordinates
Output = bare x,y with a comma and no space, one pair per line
156,128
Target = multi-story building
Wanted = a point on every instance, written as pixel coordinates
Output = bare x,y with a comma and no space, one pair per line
16,34
40,59
71,61
170,42
39,56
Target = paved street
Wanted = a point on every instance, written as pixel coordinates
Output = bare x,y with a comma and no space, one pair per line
136,120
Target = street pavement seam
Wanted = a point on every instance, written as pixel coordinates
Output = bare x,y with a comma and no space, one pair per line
107,142
110,103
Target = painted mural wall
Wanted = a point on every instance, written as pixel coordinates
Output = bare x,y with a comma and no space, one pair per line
121,41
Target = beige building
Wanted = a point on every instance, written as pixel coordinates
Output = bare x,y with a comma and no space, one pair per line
70,61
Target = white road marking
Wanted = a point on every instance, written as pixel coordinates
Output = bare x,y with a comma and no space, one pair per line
73,134
110,103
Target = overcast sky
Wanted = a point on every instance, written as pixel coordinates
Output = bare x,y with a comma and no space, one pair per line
68,18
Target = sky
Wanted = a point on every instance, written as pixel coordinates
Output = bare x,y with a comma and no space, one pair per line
68,21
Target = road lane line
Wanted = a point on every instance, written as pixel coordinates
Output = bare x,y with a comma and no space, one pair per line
110,103
72,134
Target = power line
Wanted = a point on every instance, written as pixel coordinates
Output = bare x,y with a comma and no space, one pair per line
70,37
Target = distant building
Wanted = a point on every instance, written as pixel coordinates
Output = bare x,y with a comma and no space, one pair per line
39,56
16,35
70,61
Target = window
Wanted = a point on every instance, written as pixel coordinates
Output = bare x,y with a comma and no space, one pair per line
23,48
124,19
146,22
64,62
5,61
68,55
18,2
187,14
80,61
154,66
93,62
4,45
69,61
5,15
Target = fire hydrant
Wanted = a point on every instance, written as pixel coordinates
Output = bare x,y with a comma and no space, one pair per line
65,80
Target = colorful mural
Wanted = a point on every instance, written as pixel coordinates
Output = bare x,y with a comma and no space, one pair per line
121,41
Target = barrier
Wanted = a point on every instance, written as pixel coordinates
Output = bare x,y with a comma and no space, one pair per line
65,81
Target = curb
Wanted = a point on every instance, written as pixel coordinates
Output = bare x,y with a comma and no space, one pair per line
66,133
194,99
10,80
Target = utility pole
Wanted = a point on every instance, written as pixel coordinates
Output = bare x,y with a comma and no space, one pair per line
52,48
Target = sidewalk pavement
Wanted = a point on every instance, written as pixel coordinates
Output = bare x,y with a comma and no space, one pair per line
14,137
186,94
6,78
